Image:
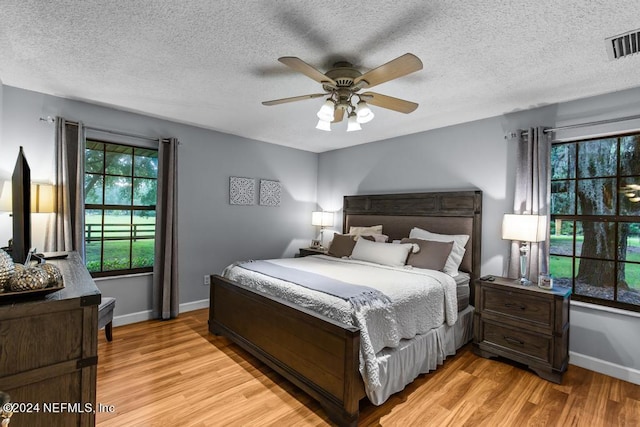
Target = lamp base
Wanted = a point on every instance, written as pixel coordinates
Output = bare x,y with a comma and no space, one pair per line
524,250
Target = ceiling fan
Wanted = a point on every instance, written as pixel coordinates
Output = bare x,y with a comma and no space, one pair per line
342,84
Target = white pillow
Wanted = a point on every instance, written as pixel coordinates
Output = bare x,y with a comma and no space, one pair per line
381,253
382,238
357,231
457,251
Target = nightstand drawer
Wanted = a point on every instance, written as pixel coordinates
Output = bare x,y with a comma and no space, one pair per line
518,341
518,305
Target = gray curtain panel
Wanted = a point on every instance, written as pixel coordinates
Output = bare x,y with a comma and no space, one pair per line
67,229
165,266
532,196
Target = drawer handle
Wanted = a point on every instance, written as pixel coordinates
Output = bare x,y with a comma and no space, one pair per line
513,340
520,306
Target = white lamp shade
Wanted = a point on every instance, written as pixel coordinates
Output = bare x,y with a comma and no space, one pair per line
5,197
322,219
324,125
364,113
524,228
352,123
41,198
326,112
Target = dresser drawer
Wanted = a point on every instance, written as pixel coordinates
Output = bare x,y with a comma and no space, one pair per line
518,305
518,341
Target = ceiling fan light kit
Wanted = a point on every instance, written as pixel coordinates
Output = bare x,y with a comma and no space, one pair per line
343,82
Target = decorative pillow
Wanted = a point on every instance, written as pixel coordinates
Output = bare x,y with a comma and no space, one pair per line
381,253
457,252
433,255
341,245
357,231
381,238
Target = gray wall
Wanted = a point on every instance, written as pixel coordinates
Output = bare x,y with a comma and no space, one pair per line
212,233
477,155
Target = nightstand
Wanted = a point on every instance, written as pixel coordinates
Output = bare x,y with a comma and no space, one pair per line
312,251
525,324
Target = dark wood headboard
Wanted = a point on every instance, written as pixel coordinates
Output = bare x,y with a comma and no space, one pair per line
454,212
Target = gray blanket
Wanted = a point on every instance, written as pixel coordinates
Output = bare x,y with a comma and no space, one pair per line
357,295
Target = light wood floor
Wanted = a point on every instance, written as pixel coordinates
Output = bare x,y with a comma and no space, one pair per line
174,373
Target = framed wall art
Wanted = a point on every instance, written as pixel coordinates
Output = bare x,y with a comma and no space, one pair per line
242,191
270,192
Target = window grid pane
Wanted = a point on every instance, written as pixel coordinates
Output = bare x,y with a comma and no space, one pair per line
598,158
119,241
595,220
594,278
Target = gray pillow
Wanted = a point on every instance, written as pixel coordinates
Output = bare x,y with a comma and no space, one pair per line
341,245
433,255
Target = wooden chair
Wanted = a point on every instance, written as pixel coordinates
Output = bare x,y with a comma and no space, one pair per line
105,316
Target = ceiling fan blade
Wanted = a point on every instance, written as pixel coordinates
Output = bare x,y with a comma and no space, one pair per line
389,102
401,66
338,115
306,69
293,99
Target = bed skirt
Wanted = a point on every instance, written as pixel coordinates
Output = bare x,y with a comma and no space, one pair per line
401,365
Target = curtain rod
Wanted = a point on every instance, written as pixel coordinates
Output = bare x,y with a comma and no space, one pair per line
580,125
97,129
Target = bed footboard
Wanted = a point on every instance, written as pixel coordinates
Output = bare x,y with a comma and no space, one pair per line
317,354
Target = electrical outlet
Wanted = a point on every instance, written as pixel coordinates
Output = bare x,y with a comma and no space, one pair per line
207,280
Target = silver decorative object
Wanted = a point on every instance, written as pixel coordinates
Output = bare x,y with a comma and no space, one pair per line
6,269
54,277
28,278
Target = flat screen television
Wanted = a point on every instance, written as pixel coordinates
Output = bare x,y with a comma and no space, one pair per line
21,208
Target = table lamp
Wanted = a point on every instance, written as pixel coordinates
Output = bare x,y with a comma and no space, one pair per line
322,219
524,229
41,198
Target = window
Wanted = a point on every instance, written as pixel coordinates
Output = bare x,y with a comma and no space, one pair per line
595,219
120,186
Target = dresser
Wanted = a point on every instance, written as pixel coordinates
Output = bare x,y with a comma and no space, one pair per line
525,324
48,351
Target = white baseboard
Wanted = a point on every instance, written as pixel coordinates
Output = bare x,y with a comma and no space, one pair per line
127,319
607,368
141,316
194,305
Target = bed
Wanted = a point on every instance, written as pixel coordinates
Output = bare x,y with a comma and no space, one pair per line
321,355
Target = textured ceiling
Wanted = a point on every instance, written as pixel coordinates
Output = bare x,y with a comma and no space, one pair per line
211,63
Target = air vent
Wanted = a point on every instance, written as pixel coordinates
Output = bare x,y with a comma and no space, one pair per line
623,45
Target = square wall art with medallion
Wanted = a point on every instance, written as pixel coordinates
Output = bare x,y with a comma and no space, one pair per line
242,191
270,192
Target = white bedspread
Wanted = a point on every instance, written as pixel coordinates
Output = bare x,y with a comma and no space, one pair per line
420,300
